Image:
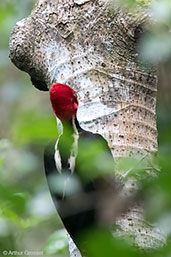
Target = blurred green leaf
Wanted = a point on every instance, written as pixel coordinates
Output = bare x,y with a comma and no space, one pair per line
132,4
100,243
155,47
34,127
96,161
10,196
57,243
41,205
164,128
70,182
12,11
160,11
157,190
24,223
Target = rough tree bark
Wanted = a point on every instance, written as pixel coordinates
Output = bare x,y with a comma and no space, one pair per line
91,46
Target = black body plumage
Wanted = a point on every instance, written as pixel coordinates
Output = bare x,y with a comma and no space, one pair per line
81,180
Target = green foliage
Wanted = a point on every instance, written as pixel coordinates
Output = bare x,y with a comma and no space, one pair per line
20,196
34,127
157,191
100,243
27,214
155,46
153,43
68,181
95,159
133,4
57,244
10,13
164,127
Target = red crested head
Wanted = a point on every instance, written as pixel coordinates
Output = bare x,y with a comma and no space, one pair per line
64,101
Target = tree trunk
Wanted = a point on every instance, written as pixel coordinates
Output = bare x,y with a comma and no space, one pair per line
91,46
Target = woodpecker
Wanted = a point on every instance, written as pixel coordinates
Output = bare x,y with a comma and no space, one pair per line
79,167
